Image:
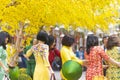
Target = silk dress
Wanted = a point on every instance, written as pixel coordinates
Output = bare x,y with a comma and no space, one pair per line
68,54
41,71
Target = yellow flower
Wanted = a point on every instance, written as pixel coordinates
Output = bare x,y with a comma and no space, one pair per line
82,13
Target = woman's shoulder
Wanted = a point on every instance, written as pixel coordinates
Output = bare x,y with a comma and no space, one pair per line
114,49
1,48
56,50
64,48
98,48
44,46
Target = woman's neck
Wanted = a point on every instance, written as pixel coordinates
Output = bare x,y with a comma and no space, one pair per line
41,42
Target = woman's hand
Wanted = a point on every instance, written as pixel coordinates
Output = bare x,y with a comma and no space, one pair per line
6,69
85,63
105,66
11,66
52,73
52,76
26,57
118,64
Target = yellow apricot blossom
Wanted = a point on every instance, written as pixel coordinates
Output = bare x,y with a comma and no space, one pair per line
78,13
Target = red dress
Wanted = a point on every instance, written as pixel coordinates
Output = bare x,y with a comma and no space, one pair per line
52,54
95,62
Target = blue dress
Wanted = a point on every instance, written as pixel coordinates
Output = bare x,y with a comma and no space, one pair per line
3,56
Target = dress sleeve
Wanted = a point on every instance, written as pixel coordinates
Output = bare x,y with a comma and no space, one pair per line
73,57
76,59
47,56
29,53
103,54
70,56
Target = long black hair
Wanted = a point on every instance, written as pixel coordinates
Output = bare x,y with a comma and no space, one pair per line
92,41
3,36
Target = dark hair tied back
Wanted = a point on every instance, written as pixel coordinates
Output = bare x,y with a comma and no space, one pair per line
68,40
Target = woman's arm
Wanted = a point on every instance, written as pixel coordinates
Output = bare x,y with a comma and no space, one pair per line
68,54
114,62
28,54
107,58
5,68
1,64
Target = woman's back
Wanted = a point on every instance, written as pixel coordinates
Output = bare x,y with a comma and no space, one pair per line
94,57
40,56
94,67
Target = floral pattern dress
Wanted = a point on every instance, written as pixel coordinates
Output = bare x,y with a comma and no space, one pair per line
94,67
41,69
113,72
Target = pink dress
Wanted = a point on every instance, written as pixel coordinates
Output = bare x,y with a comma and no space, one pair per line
95,62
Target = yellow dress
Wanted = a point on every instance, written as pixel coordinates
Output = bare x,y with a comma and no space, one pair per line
113,71
68,54
41,69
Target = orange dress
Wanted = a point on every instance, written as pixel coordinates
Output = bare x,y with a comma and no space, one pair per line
95,62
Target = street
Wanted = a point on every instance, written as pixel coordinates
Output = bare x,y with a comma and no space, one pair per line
57,75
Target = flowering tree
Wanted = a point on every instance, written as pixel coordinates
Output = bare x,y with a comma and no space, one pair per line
90,14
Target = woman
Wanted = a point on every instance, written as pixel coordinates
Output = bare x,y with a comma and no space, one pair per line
94,54
4,39
67,52
41,51
113,72
53,52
